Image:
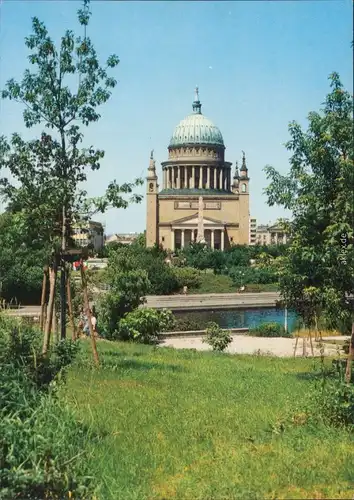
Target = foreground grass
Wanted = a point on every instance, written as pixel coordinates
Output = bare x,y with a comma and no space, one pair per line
192,425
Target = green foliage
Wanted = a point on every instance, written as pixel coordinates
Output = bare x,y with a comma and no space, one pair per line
318,271
245,275
42,453
47,172
145,325
202,257
21,264
20,347
125,295
268,330
217,338
335,401
197,255
162,280
41,444
185,324
187,276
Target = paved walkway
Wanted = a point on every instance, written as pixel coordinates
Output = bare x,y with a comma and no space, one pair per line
212,300
189,302
243,344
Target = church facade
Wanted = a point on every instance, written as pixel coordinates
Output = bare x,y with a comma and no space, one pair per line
196,179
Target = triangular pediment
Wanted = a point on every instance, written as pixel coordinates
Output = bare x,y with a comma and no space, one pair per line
193,219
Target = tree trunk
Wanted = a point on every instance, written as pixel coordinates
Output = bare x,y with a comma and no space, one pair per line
70,306
55,323
49,318
348,370
44,289
88,314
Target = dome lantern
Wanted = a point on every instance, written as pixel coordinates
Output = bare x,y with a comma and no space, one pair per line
197,106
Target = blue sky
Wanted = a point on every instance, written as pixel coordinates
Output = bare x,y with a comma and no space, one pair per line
258,65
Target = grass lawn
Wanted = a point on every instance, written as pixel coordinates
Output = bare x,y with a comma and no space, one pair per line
205,426
218,283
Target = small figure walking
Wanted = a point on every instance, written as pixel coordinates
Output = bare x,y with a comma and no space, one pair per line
185,290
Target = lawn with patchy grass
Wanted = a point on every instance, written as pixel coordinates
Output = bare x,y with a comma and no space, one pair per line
220,283
199,425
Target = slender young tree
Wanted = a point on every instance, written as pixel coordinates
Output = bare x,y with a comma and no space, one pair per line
63,92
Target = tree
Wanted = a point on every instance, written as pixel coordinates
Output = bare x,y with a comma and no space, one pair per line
145,325
162,279
318,272
21,268
128,285
63,92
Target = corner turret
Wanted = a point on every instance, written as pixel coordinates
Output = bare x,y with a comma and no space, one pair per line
151,203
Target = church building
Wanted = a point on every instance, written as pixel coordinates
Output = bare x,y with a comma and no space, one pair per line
199,199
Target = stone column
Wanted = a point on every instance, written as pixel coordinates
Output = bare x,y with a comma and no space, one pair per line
212,239
182,238
200,177
222,239
215,178
164,178
193,236
208,177
169,177
193,177
178,177
172,239
220,178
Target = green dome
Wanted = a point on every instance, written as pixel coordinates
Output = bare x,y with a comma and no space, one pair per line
196,129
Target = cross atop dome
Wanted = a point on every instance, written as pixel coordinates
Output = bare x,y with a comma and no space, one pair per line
197,107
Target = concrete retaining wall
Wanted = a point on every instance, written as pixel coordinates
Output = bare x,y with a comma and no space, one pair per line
201,333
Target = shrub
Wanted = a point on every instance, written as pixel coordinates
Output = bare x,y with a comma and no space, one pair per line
217,338
335,402
244,275
185,324
145,325
20,348
127,290
41,452
269,330
187,276
41,445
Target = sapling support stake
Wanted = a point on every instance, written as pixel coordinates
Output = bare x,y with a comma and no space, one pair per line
43,297
88,315
70,306
49,318
348,369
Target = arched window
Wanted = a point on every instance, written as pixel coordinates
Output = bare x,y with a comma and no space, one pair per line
244,188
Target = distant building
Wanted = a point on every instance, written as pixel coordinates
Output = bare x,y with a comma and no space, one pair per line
271,234
197,178
89,233
125,239
253,231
